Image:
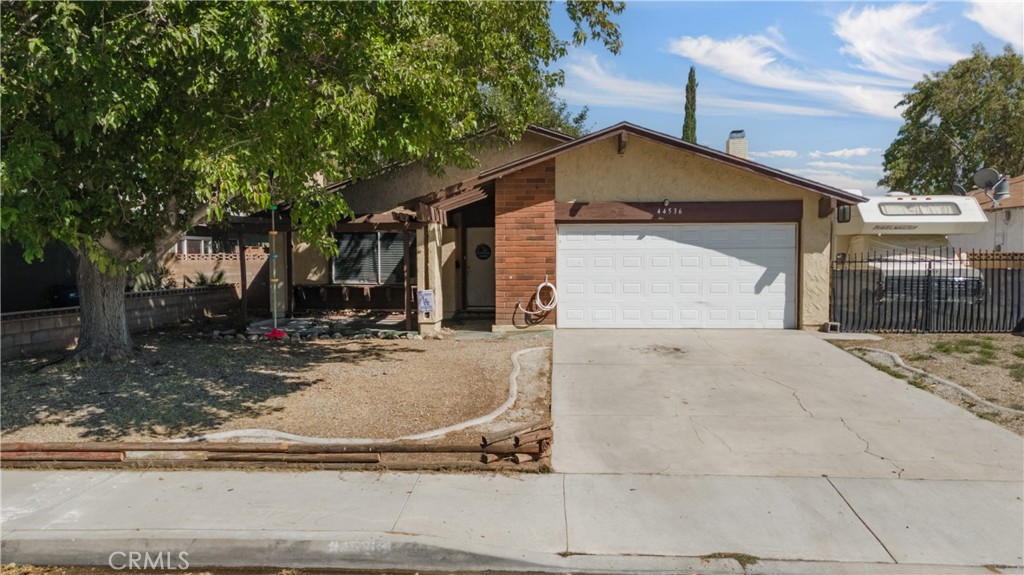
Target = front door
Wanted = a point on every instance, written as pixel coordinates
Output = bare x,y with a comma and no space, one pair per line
478,256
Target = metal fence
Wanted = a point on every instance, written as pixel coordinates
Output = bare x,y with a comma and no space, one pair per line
928,290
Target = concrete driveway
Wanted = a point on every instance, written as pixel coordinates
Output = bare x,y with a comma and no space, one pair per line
756,403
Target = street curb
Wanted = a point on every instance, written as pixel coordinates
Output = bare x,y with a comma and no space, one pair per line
385,551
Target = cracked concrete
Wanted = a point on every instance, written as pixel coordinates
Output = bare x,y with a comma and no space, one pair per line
761,403
867,449
772,444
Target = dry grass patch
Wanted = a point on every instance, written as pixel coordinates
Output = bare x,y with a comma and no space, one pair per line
175,387
990,365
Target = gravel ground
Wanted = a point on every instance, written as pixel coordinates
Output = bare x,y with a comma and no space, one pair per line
175,387
990,365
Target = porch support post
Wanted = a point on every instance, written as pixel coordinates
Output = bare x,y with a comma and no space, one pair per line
244,282
289,285
407,284
428,275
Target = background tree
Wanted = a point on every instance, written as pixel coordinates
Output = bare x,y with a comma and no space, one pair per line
547,110
977,105
126,123
690,120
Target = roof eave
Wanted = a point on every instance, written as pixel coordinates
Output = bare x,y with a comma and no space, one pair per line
626,127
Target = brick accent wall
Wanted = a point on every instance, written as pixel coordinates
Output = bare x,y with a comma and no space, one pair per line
27,333
524,229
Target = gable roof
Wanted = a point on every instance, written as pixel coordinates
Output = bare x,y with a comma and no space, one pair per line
1016,199
702,151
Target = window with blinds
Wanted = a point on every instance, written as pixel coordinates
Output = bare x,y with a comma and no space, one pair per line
375,258
919,209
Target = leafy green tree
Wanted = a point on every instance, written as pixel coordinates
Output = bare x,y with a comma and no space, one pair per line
690,120
958,121
125,123
546,109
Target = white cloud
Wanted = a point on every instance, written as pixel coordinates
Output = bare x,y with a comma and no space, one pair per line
758,60
775,154
729,105
588,82
842,166
841,180
844,153
892,42
1004,20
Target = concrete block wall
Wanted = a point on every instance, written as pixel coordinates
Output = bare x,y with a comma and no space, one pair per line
524,229
257,272
27,333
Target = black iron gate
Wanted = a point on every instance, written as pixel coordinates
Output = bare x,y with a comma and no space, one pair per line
928,290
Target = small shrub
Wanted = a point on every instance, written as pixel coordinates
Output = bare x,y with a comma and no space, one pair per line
202,280
160,278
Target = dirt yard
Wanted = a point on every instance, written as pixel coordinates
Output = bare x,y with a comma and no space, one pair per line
370,388
990,365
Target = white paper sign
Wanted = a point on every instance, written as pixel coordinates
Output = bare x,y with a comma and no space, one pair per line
425,300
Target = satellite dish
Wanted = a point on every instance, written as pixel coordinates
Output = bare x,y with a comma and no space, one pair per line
986,178
996,187
958,190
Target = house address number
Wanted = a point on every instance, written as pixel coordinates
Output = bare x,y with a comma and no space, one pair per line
669,211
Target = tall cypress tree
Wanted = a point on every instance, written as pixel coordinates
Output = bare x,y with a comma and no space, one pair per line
690,121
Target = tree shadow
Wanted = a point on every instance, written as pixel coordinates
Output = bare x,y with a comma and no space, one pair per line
172,386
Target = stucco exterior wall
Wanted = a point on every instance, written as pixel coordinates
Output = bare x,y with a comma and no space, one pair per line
309,266
652,172
383,193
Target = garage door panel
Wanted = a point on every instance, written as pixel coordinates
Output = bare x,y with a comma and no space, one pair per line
677,275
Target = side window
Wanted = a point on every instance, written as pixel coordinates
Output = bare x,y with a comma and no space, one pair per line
356,262
372,259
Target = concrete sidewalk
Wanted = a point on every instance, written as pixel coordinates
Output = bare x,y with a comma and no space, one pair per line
545,523
674,445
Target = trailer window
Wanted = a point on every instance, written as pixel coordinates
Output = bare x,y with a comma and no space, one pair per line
919,209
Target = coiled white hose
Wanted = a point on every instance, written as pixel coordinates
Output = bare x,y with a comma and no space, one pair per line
539,302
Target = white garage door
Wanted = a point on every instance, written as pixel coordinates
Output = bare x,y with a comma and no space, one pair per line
677,276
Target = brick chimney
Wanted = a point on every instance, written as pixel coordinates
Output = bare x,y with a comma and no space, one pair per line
736,145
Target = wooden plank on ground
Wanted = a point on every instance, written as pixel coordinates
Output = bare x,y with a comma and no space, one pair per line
489,439
63,456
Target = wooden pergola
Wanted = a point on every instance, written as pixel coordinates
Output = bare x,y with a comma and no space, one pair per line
407,218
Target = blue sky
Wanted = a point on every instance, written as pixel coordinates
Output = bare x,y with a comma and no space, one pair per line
813,84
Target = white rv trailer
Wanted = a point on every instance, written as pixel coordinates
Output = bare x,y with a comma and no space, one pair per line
899,220
897,244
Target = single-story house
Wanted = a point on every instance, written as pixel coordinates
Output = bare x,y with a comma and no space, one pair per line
1005,229
633,228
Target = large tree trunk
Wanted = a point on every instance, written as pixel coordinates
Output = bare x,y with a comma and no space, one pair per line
104,332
